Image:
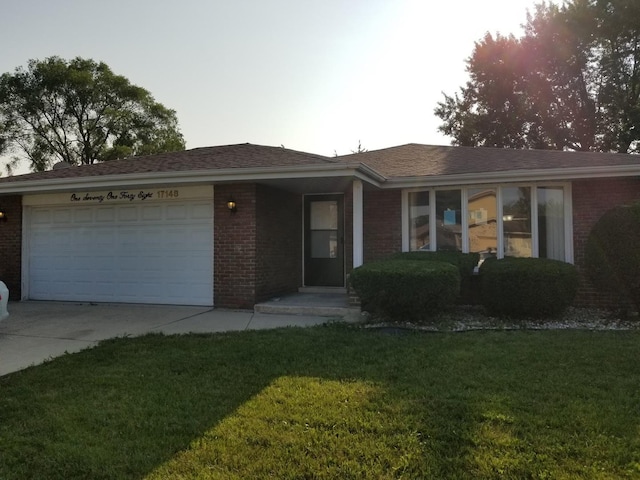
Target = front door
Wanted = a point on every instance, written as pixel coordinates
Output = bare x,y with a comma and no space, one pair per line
324,241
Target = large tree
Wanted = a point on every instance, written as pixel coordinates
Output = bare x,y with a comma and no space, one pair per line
80,112
570,82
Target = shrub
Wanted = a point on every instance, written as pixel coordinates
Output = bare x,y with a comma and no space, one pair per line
527,287
465,262
405,290
613,254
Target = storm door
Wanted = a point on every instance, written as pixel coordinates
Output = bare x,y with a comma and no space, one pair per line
324,241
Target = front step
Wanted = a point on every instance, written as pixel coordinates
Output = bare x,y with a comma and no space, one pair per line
311,304
311,310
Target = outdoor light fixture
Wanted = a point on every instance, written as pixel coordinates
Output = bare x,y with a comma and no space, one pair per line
231,205
3,215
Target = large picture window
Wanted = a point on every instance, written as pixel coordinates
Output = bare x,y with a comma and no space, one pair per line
504,220
449,220
482,210
419,221
551,234
516,221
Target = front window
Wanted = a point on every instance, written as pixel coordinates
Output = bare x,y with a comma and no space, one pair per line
449,220
516,218
502,221
483,225
419,221
551,223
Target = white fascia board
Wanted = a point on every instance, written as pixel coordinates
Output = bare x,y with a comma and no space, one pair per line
194,177
556,174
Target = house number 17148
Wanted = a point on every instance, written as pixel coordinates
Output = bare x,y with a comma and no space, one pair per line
168,193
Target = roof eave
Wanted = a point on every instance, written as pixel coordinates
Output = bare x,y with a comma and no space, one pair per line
512,176
194,177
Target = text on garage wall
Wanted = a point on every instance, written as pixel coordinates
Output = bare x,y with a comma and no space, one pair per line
124,195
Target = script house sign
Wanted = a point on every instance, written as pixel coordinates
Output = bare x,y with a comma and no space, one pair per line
113,196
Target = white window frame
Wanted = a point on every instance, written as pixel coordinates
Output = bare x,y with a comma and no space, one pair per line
464,192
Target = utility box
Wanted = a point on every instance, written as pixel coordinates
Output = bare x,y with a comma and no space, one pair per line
4,298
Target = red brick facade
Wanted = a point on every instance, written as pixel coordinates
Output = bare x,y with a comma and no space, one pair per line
258,249
278,242
234,254
591,199
11,245
382,223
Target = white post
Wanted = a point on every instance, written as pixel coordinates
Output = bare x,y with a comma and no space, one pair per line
358,248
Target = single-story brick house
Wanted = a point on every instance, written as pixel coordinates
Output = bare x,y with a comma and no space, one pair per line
234,225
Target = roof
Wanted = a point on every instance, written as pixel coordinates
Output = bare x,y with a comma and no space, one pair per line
405,166
415,160
243,155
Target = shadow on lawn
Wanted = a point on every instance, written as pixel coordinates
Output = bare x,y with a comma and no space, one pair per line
435,405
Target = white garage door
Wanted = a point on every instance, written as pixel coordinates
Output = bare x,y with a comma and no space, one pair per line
140,253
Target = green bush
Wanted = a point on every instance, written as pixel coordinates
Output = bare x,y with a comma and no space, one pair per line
465,262
405,290
613,254
527,287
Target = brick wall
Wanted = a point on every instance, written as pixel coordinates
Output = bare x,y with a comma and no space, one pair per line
258,249
591,199
234,236
278,242
382,223
11,245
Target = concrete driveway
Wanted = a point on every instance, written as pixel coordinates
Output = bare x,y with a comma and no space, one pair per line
39,331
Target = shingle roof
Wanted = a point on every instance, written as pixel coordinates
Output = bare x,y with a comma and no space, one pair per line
415,160
243,155
405,161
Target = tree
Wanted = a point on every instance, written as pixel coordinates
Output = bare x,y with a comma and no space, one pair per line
571,82
360,148
80,112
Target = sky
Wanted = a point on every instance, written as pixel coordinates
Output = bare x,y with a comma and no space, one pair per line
319,76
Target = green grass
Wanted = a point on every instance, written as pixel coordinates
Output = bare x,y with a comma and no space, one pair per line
330,402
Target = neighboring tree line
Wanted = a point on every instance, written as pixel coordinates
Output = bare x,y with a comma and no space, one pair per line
80,112
570,82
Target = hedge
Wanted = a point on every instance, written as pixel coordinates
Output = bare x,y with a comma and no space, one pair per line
465,262
612,255
527,287
406,290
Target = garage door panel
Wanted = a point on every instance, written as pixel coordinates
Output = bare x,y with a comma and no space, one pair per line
62,216
160,253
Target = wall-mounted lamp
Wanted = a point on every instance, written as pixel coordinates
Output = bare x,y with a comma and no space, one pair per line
3,215
231,205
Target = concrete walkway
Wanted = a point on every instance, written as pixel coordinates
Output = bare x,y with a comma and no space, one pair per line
39,331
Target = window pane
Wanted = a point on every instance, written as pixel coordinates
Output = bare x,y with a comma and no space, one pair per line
516,217
551,222
419,221
483,232
449,220
324,244
324,215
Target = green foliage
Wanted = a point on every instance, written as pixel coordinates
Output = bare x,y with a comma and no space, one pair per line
527,92
404,290
613,254
465,262
329,402
80,112
527,287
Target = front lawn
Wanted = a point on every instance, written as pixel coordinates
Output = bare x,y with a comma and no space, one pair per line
335,401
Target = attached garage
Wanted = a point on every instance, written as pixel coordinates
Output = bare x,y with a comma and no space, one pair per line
144,246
